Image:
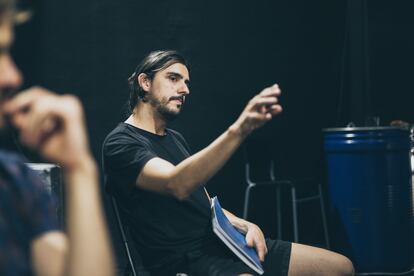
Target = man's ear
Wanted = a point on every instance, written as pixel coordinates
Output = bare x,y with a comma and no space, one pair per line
144,82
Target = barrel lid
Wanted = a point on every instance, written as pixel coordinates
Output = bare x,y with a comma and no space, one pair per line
363,129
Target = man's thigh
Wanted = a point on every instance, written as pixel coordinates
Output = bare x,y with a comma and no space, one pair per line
277,258
218,263
222,262
308,260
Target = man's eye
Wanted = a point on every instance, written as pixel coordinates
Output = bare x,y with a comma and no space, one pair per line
173,78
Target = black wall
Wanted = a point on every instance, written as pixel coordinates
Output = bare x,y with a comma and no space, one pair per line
235,49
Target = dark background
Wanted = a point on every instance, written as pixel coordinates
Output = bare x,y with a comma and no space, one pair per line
335,61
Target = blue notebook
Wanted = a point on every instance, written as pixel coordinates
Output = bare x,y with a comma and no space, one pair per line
234,240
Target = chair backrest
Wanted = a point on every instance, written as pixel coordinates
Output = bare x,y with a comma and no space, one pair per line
135,266
259,164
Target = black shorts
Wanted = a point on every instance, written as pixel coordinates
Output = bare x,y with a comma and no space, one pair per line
218,260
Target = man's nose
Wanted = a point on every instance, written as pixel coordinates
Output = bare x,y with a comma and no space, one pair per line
184,89
10,76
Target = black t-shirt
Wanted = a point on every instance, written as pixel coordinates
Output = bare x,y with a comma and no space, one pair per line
163,227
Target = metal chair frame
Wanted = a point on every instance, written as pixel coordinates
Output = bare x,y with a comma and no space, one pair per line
131,264
295,200
136,270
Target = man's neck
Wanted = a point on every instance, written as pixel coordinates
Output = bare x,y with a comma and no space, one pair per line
146,118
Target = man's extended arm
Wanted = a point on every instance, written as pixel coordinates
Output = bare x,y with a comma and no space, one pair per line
54,125
180,180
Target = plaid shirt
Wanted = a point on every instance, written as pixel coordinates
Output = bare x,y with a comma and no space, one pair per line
26,212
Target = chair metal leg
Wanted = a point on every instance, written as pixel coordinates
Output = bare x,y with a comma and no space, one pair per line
324,222
295,218
246,201
279,213
124,237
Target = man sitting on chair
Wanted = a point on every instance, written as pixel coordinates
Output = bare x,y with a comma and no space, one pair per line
159,185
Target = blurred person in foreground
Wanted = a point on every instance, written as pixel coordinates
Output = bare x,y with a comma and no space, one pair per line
31,242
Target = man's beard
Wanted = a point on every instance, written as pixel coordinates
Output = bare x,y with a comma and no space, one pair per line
161,106
6,129
10,141
8,136
6,133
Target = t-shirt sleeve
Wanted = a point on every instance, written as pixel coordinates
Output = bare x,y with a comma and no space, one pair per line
124,157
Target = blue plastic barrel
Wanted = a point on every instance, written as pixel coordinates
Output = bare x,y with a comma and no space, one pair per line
371,197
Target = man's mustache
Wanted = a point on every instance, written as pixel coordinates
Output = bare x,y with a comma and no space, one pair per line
180,98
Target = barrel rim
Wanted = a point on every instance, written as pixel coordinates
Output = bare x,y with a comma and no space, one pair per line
362,129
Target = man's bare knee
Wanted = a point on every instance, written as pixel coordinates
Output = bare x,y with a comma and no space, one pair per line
337,264
308,260
346,266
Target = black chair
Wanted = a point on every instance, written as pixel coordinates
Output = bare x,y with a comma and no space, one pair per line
293,185
134,265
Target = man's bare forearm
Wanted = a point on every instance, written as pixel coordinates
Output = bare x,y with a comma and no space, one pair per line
239,223
254,236
161,176
89,247
200,167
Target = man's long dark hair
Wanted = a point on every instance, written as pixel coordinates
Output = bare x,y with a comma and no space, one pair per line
154,62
